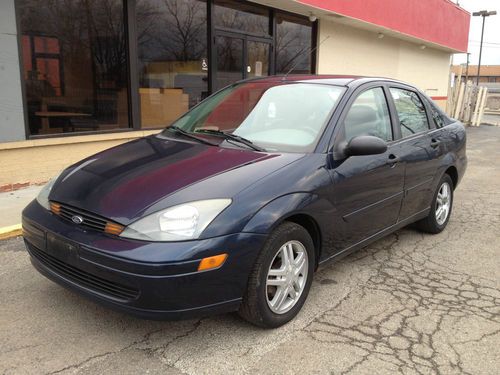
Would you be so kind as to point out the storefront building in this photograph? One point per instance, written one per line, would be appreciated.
(79, 76)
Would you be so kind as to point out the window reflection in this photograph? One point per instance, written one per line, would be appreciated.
(293, 44)
(173, 58)
(258, 59)
(229, 60)
(237, 15)
(285, 117)
(75, 67)
(411, 112)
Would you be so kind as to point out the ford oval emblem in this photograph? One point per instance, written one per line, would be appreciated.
(77, 219)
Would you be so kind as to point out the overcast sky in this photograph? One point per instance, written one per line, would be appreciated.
(491, 42)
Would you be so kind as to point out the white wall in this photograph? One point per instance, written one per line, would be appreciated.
(359, 52)
(11, 104)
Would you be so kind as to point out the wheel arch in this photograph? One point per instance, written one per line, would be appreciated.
(448, 165)
(288, 208)
(311, 226)
(453, 173)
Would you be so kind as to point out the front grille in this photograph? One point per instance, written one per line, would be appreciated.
(85, 279)
(88, 219)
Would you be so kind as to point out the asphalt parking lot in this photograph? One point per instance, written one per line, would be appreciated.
(410, 303)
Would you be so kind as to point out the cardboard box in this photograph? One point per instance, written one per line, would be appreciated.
(160, 107)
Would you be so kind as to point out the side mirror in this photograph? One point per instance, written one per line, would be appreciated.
(365, 145)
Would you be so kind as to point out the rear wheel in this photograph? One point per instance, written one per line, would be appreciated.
(281, 277)
(442, 204)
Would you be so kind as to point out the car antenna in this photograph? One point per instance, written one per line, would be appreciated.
(311, 50)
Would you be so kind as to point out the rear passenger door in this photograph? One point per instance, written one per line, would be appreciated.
(417, 149)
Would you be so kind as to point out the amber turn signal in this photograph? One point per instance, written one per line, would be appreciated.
(113, 228)
(212, 262)
(55, 208)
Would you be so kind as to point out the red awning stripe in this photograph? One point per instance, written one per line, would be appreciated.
(437, 21)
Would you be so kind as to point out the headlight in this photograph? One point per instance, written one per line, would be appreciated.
(43, 195)
(178, 223)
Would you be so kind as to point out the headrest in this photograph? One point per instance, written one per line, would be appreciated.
(361, 114)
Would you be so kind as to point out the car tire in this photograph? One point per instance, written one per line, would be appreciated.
(443, 199)
(263, 305)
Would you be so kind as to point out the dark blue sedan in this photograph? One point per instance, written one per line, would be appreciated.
(235, 205)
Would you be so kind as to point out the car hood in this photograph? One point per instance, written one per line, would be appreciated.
(146, 175)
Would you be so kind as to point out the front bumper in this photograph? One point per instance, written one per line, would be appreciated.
(147, 279)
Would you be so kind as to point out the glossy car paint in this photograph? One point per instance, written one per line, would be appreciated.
(344, 202)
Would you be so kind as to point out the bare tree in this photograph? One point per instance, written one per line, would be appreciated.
(292, 42)
(107, 41)
(172, 29)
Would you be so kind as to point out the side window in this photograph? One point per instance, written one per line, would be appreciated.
(369, 115)
(411, 112)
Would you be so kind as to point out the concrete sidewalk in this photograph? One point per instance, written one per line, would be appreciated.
(12, 204)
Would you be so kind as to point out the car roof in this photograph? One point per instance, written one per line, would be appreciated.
(325, 79)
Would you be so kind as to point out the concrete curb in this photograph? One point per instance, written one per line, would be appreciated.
(10, 231)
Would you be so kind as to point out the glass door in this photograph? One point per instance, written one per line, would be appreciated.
(257, 59)
(229, 57)
(239, 57)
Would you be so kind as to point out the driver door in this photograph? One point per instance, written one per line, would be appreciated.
(366, 191)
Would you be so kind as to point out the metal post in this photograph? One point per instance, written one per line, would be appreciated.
(480, 52)
(484, 14)
(467, 68)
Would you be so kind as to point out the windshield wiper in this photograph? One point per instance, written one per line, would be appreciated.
(178, 130)
(231, 137)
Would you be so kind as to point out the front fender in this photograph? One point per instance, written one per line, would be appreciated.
(265, 220)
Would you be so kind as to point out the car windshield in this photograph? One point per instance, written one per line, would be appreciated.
(283, 117)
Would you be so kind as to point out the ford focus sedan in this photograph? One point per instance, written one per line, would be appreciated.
(236, 204)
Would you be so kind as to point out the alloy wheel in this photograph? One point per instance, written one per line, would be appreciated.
(287, 276)
(443, 203)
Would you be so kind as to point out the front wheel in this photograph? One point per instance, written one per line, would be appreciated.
(281, 277)
(442, 204)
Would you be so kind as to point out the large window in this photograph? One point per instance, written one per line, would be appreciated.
(294, 41)
(75, 65)
(107, 65)
(242, 16)
(173, 58)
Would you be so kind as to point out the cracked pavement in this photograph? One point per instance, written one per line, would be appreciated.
(410, 303)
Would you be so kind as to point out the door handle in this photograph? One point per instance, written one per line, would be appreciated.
(393, 159)
(435, 143)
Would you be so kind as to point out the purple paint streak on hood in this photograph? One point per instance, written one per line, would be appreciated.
(122, 182)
